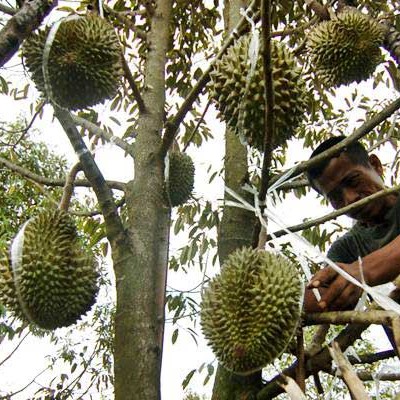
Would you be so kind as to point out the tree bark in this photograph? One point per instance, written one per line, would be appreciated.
(17, 28)
(140, 285)
(235, 232)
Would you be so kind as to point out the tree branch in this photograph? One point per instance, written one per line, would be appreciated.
(396, 332)
(125, 21)
(15, 348)
(196, 128)
(42, 180)
(269, 98)
(299, 28)
(172, 125)
(101, 133)
(392, 41)
(8, 10)
(318, 361)
(135, 91)
(372, 358)
(319, 9)
(9, 395)
(69, 187)
(365, 128)
(24, 130)
(113, 223)
(119, 203)
(388, 376)
(318, 339)
(17, 28)
(335, 214)
(378, 317)
(350, 377)
(300, 354)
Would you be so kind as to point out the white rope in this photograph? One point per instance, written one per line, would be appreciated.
(167, 163)
(252, 57)
(310, 251)
(254, 42)
(46, 55)
(101, 10)
(17, 247)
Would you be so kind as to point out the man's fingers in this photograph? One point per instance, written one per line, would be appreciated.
(322, 278)
(332, 293)
(347, 299)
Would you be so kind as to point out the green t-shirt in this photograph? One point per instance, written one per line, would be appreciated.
(361, 240)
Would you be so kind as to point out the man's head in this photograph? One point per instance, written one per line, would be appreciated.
(348, 176)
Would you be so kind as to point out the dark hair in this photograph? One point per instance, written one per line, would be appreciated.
(355, 151)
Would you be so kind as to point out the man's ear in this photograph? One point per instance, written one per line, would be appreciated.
(376, 164)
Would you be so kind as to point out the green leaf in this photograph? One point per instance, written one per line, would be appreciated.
(115, 120)
(175, 335)
(394, 73)
(187, 379)
(4, 85)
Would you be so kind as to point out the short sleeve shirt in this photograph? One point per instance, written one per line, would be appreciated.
(361, 240)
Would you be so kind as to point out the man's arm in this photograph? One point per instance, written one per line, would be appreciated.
(380, 266)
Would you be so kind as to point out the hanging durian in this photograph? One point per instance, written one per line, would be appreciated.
(8, 296)
(241, 105)
(84, 65)
(250, 312)
(53, 280)
(180, 178)
(346, 49)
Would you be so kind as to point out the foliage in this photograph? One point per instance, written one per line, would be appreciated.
(20, 198)
(193, 396)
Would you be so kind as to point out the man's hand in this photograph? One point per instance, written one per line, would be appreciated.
(337, 293)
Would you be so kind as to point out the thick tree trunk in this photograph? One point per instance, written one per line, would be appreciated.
(235, 232)
(139, 319)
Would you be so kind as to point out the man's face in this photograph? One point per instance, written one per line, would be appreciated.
(343, 182)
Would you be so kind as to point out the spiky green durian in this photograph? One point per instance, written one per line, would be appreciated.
(181, 178)
(8, 296)
(232, 95)
(250, 311)
(346, 49)
(84, 65)
(55, 279)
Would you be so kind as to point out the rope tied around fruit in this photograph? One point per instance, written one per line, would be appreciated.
(252, 58)
(306, 249)
(46, 55)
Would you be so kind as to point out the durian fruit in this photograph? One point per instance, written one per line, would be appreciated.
(84, 65)
(346, 49)
(55, 279)
(250, 312)
(8, 296)
(181, 178)
(233, 96)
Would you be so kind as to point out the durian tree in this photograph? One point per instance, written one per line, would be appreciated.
(272, 73)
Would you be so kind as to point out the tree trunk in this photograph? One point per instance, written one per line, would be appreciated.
(235, 232)
(139, 322)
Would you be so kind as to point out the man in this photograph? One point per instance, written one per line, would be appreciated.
(344, 179)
